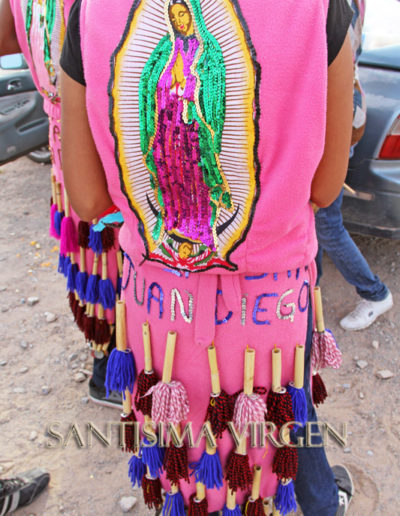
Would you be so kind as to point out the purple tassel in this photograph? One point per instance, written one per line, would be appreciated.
(153, 457)
(285, 501)
(231, 512)
(92, 289)
(71, 277)
(61, 262)
(95, 241)
(52, 229)
(106, 293)
(174, 505)
(208, 470)
(81, 284)
(69, 237)
(136, 470)
(121, 372)
(299, 405)
(58, 216)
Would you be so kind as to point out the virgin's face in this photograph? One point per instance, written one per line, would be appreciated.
(181, 19)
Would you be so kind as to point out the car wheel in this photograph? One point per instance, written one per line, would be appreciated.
(42, 155)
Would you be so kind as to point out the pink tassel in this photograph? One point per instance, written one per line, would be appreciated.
(69, 238)
(325, 352)
(170, 402)
(248, 409)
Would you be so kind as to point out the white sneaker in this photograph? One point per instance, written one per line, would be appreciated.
(365, 313)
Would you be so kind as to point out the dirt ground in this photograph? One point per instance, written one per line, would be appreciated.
(42, 351)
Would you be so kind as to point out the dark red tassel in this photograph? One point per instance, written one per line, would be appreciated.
(83, 234)
(152, 492)
(129, 441)
(238, 473)
(253, 508)
(279, 407)
(80, 316)
(73, 302)
(197, 508)
(220, 412)
(89, 327)
(145, 382)
(101, 331)
(285, 462)
(107, 239)
(176, 463)
(319, 393)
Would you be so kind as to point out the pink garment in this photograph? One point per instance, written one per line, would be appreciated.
(270, 254)
(275, 314)
(50, 91)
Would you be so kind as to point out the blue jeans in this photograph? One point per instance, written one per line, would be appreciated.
(315, 486)
(336, 241)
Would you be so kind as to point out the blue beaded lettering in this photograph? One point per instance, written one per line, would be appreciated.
(261, 276)
(258, 309)
(228, 316)
(131, 266)
(159, 299)
(307, 287)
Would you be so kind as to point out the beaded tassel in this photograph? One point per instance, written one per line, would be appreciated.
(197, 507)
(151, 488)
(128, 417)
(280, 409)
(253, 507)
(220, 412)
(176, 463)
(83, 234)
(319, 393)
(285, 462)
(146, 380)
(237, 472)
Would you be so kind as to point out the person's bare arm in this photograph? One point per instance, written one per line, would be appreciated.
(8, 37)
(84, 176)
(331, 172)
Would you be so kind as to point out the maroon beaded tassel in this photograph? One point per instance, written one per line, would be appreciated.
(83, 234)
(197, 507)
(107, 239)
(238, 473)
(319, 393)
(151, 488)
(128, 417)
(176, 463)
(285, 462)
(147, 378)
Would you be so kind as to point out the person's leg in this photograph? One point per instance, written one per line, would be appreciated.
(336, 241)
(315, 486)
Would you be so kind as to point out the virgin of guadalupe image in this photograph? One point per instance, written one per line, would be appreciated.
(182, 114)
(44, 25)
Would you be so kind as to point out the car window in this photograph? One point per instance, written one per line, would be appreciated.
(382, 24)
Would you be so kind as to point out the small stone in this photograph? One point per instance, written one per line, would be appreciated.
(46, 390)
(4, 309)
(22, 301)
(3, 363)
(23, 344)
(79, 377)
(346, 386)
(72, 357)
(24, 370)
(384, 374)
(375, 344)
(74, 366)
(33, 435)
(361, 395)
(85, 400)
(19, 390)
(370, 453)
(356, 358)
(50, 317)
(82, 357)
(362, 364)
(85, 372)
(2, 288)
(127, 502)
(347, 450)
(32, 300)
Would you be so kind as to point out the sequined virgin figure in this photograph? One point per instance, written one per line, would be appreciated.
(182, 113)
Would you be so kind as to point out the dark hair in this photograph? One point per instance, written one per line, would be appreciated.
(182, 2)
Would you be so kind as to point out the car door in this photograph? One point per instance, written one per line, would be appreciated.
(23, 123)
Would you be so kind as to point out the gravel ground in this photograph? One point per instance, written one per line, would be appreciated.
(42, 352)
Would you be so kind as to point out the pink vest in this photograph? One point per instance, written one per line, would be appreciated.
(261, 103)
